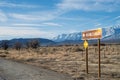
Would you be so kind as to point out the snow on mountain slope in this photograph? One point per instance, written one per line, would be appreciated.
(72, 36)
(108, 34)
(111, 33)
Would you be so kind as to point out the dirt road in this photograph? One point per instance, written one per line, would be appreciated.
(10, 70)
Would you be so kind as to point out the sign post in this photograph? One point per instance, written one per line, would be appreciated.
(99, 61)
(86, 50)
(93, 34)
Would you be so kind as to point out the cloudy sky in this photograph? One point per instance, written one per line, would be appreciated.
(48, 18)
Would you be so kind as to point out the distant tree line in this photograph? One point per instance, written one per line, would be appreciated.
(18, 45)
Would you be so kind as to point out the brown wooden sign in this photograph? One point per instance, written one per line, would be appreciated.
(92, 34)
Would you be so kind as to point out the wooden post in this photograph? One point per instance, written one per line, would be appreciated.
(87, 60)
(99, 62)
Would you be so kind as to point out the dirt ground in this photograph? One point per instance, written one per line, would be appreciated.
(12, 70)
(71, 60)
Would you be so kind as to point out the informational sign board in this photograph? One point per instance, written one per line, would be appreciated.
(92, 34)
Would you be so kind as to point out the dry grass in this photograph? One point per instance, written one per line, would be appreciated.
(71, 60)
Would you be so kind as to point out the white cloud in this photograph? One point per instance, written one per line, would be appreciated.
(51, 24)
(43, 16)
(118, 17)
(24, 32)
(117, 20)
(14, 5)
(24, 16)
(3, 17)
(90, 5)
(36, 25)
(26, 24)
(39, 16)
(98, 24)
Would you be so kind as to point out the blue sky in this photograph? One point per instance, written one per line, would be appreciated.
(49, 18)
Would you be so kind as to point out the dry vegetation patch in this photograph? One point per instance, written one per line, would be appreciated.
(71, 60)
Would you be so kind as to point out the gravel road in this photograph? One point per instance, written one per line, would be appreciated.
(10, 70)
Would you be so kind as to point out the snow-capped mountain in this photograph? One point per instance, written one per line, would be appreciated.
(71, 36)
(111, 33)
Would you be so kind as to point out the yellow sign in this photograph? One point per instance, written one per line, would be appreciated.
(85, 44)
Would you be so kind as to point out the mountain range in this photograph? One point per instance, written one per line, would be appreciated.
(23, 41)
(109, 35)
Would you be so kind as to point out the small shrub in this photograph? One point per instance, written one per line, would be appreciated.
(77, 49)
(4, 44)
(18, 45)
(33, 44)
